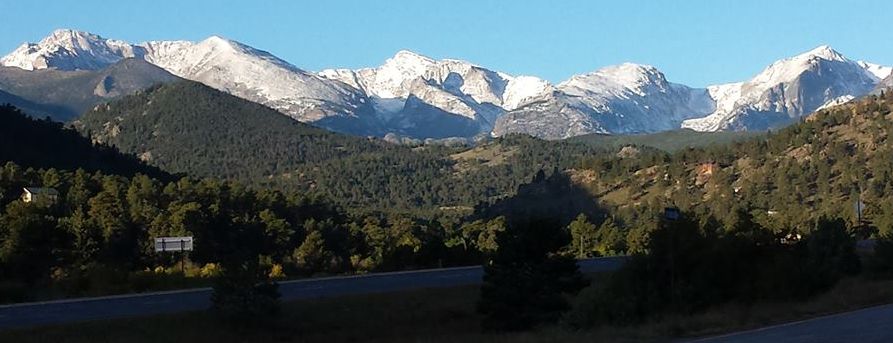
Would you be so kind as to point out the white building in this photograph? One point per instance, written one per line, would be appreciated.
(38, 194)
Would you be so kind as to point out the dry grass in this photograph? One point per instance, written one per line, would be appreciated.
(490, 155)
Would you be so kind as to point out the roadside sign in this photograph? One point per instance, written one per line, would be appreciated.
(173, 244)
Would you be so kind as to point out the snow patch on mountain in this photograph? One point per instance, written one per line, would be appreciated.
(523, 89)
(879, 71)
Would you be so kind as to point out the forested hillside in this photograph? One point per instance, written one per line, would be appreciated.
(189, 128)
(47, 144)
(786, 180)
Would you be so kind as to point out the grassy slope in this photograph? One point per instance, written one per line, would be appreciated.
(438, 315)
(669, 141)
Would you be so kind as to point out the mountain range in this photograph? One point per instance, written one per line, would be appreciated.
(414, 96)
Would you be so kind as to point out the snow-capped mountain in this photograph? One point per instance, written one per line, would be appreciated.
(627, 98)
(415, 96)
(632, 98)
(257, 76)
(788, 89)
(69, 50)
(421, 97)
(217, 62)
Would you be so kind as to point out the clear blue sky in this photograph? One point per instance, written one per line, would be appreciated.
(693, 42)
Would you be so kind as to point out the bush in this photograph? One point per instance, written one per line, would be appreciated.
(210, 270)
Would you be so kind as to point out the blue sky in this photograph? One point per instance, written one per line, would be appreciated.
(693, 42)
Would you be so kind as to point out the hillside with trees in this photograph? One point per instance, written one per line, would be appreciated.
(786, 180)
(189, 128)
(43, 143)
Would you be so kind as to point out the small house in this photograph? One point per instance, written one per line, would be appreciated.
(39, 194)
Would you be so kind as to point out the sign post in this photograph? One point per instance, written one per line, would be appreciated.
(175, 244)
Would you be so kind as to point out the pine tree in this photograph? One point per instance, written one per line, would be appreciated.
(583, 237)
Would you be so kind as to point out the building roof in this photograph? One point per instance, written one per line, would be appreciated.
(42, 190)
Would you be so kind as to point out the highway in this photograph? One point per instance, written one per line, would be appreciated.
(134, 305)
(874, 324)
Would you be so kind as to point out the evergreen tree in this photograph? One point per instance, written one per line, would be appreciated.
(583, 237)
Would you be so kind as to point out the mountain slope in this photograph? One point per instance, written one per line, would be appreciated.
(786, 179)
(44, 144)
(187, 127)
(63, 95)
(191, 128)
(257, 76)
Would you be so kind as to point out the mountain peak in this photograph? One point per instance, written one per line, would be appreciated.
(788, 69)
(215, 39)
(69, 49)
(70, 33)
(614, 78)
(408, 53)
(73, 40)
(824, 52)
(404, 57)
(630, 70)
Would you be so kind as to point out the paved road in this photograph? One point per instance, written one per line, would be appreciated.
(873, 324)
(86, 309)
